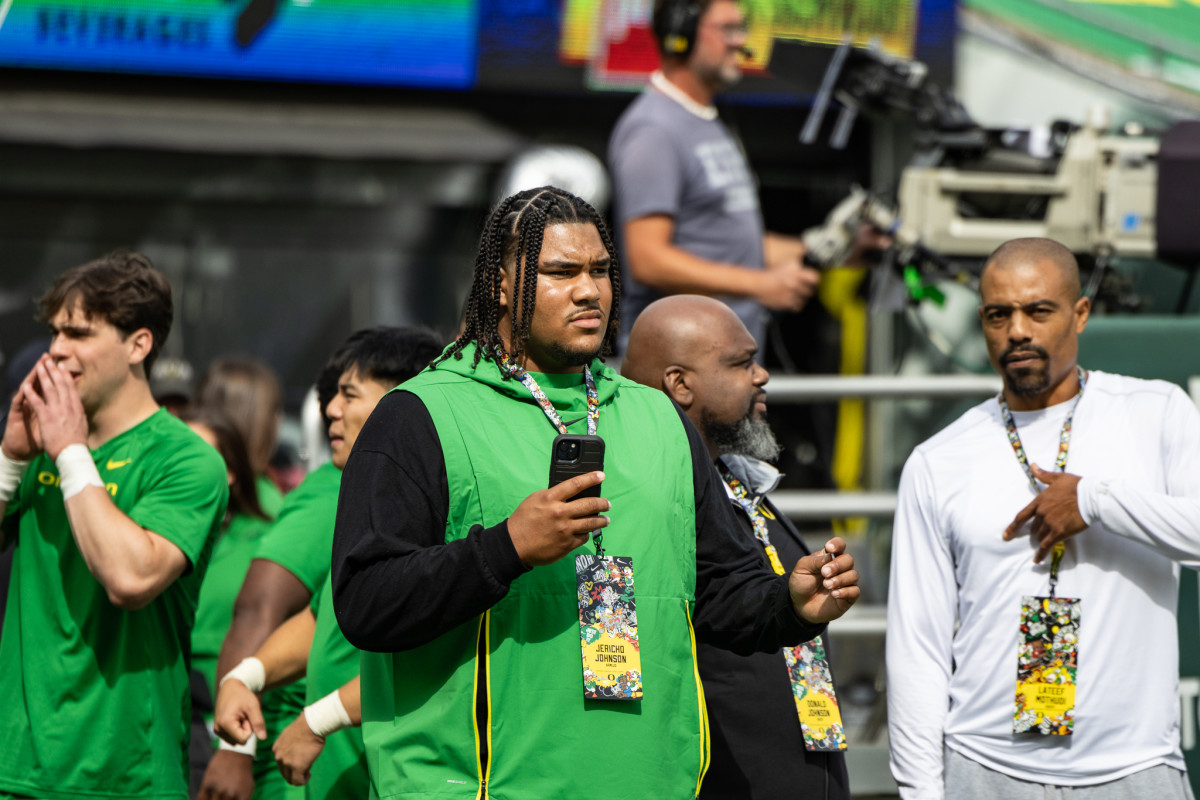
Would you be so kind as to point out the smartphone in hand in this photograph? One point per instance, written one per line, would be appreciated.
(574, 454)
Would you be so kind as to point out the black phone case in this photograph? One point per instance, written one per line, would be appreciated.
(591, 459)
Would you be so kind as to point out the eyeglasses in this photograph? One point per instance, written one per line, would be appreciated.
(733, 31)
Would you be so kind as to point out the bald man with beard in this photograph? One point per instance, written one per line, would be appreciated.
(697, 351)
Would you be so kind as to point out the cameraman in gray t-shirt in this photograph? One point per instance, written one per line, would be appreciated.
(686, 204)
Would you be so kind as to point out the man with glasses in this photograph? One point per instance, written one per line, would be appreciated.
(686, 203)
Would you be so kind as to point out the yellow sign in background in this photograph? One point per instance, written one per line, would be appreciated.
(589, 27)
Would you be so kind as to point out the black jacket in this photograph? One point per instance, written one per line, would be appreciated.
(757, 746)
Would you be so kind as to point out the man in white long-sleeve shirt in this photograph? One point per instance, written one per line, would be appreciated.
(975, 536)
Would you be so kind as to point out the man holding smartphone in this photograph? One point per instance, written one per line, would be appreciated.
(449, 556)
(113, 506)
(765, 741)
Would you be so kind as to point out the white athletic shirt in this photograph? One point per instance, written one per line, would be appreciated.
(1137, 445)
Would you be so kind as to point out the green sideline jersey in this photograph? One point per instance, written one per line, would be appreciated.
(301, 541)
(341, 769)
(269, 496)
(226, 571)
(97, 697)
(231, 558)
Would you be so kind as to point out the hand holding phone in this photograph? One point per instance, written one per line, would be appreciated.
(576, 454)
(552, 522)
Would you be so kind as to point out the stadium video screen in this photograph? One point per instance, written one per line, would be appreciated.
(551, 45)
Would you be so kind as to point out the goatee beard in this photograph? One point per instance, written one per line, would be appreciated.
(747, 437)
(1029, 383)
(1026, 381)
(572, 357)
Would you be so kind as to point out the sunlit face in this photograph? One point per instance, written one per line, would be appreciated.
(98, 357)
(728, 381)
(720, 37)
(1031, 321)
(573, 300)
(349, 409)
(729, 402)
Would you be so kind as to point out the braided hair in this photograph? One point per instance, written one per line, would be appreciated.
(513, 235)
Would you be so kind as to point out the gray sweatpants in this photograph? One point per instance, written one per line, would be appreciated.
(967, 780)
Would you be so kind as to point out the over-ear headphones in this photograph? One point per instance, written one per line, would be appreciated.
(675, 24)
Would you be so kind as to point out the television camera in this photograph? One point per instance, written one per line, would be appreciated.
(968, 188)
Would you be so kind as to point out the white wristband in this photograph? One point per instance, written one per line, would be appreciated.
(250, 748)
(11, 472)
(327, 715)
(76, 470)
(250, 672)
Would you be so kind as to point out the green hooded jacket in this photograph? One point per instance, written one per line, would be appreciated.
(536, 736)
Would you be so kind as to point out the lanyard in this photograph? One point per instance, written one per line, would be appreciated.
(1064, 446)
(593, 408)
(757, 521)
(807, 666)
(593, 400)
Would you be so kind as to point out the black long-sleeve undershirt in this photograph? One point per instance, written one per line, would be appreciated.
(397, 584)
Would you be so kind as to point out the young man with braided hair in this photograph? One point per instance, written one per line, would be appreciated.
(449, 554)
(113, 506)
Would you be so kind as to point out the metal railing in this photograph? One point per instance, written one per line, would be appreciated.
(819, 388)
(822, 504)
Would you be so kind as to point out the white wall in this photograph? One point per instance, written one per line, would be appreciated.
(1004, 88)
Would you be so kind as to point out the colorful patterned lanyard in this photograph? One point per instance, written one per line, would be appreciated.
(808, 668)
(757, 521)
(593, 400)
(1064, 446)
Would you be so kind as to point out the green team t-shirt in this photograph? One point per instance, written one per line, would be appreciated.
(301, 541)
(226, 571)
(269, 496)
(341, 769)
(97, 697)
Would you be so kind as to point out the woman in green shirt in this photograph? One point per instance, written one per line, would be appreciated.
(245, 523)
